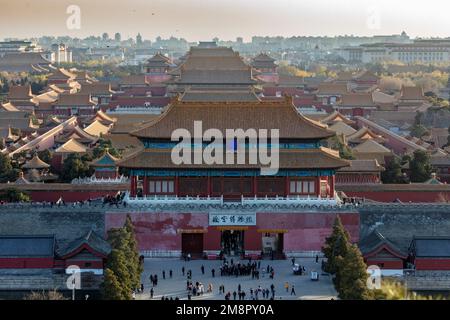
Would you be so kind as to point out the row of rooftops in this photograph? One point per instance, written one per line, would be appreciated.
(415, 247)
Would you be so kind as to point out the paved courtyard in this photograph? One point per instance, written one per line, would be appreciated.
(176, 286)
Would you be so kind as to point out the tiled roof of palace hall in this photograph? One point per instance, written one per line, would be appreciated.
(280, 115)
(322, 158)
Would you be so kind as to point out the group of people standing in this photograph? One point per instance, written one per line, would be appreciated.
(253, 294)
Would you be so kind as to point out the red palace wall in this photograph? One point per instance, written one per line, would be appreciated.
(305, 231)
(68, 196)
(82, 264)
(386, 264)
(432, 263)
(404, 196)
(20, 263)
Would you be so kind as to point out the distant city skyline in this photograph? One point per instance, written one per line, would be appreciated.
(197, 20)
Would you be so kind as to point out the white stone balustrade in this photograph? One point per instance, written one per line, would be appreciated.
(293, 200)
(255, 201)
(160, 199)
(95, 180)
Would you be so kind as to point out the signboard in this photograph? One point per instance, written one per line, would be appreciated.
(237, 219)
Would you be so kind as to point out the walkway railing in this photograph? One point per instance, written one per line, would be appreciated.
(289, 200)
(294, 200)
(158, 199)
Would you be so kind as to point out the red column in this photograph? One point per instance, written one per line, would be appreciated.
(286, 188)
(332, 182)
(209, 185)
(145, 186)
(317, 186)
(133, 186)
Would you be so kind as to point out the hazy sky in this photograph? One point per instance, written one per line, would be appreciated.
(227, 19)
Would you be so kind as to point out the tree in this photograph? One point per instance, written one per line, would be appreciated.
(45, 155)
(345, 152)
(101, 148)
(420, 166)
(393, 172)
(124, 259)
(418, 118)
(352, 275)
(74, 166)
(7, 172)
(14, 195)
(418, 131)
(335, 245)
(135, 266)
(45, 295)
(112, 289)
(118, 265)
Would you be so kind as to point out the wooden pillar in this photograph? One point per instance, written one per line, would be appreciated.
(145, 186)
(332, 182)
(133, 186)
(317, 186)
(286, 186)
(209, 185)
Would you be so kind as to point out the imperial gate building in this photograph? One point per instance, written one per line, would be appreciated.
(207, 209)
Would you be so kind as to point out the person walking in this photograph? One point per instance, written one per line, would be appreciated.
(164, 274)
(182, 270)
(203, 269)
(293, 291)
(170, 273)
(151, 293)
(213, 272)
(234, 295)
(286, 286)
(293, 261)
(317, 258)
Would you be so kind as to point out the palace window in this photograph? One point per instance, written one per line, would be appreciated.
(302, 187)
(161, 187)
(231, 186)
(271, 186)
(193, 186)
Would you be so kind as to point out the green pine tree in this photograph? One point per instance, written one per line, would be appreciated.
(335, 245)
(393, 172)
(132, 254)
(117, 264)
(420, 166)
(112, 289)
(75, 166)
(351, 277)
